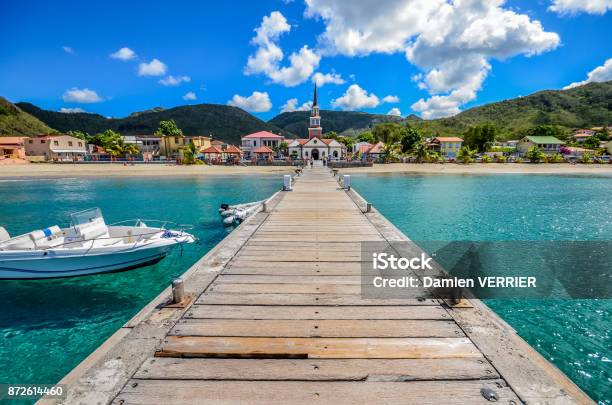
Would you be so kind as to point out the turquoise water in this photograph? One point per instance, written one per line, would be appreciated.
(48, 327)
(573, 334)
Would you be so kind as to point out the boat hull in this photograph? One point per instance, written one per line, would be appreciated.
(57, 264)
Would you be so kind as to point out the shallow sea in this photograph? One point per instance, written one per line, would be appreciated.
(574, 334)
(48, 327)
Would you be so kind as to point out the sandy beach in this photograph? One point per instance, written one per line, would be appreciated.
(118, 170)
(484, 168)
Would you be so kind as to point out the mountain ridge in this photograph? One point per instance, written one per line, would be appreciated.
(584, 106)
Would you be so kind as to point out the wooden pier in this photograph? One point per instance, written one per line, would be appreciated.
(276, 316)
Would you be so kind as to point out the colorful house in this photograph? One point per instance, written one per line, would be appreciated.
(12, 147)
(581, 135)
(361, 147)
(546, 144)
(447, 146)
(56, 147)
(251, 142)
(374, 152)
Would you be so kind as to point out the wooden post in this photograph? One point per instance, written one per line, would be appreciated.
(178, 290)
(368, 207)
(264, 206)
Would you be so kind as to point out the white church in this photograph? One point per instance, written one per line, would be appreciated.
(316, 147)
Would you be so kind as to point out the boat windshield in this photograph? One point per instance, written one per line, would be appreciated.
(86, 217)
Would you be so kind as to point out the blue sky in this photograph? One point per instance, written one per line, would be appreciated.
(384, 54)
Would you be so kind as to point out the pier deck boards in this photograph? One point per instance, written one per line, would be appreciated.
(282, 321)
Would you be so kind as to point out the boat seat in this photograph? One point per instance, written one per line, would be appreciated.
(94, 230)
(47, 237)
(4, 235)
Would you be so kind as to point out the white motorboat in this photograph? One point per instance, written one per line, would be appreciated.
(236, 214)
(88, 246)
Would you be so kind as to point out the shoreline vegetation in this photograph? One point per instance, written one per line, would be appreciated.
(43, 170)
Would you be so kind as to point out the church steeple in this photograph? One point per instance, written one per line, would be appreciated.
(315, 129)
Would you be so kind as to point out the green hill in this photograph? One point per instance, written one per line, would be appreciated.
(223, 122)
(15, 122)
(346, 122)
(581, 107)
(585, 106)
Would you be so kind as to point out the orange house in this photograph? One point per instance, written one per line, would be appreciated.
(12, 147)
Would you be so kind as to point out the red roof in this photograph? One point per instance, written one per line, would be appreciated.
(263, 149)
(364, 148)
(263, 134)
(377, 148)
(11, 140)
(233, 149)
(212, 149)
(447, 139)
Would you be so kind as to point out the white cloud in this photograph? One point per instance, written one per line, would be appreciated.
(356, 98)
(174, 80)
(573, 7)
(68, 49)
(85, 96)
(123, 54)
(451, 42)
(153, 68)
(291, 105)
(390, 99)
(190, 95)
(601, 73)
(71, 110)
(395, 111)
(269, 55)
(322, 79)
(256, 102)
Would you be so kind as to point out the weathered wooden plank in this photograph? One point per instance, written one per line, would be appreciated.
(304, 299)
(283, 279)
(290, 271)
(316, 369)
(317, 328)
(324, 348)
(316, 312)
(286, 288)
(302, 392)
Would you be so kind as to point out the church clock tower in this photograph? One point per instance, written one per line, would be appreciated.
(315, 130)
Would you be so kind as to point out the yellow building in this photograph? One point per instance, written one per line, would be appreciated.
(447, 146)
(172, 146)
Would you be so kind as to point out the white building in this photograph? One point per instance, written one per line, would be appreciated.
(316, 147)
(262, 138)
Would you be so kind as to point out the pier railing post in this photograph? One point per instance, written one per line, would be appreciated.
(264, 206)
(178, 291)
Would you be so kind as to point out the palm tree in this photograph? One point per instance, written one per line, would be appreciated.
(420, 151)
(466, 154)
